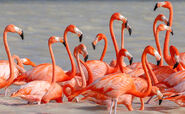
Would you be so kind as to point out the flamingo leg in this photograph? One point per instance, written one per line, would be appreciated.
(147, 102)
(6, 91)
(142, 104)
(112, 103)
(115, 106)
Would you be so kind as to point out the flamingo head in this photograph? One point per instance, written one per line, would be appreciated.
(124, 52)
(128, 28)
(81, 48)
(118, 16)
(155, 91)
(165, 4)
(27, 61)
(14, 29)
(152, 51)
(54, 39)
(163, 27)
(98, 38)
(174, 55)
(75, 30)
(162, 18)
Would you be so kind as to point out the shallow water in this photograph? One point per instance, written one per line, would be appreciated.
(42, 19)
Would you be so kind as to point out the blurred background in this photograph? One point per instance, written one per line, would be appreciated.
(41, 19)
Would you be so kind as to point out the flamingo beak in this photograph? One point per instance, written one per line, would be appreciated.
(94, 47)
(22, 35)
(64, 43)
(131, 60)
(168, 23)
(172, 32)
(86, 57)
(126, 23)
(175, 65)
(80, 38)
(155, 7)
(130, 31)
(160, 101)
(158, 62)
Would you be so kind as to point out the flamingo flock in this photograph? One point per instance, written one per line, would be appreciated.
(97, 81)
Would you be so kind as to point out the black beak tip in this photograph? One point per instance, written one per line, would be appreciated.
(80, 38)
(155, 7)
(22, 35)
(94, 47)
(131, 60)
(168, 23)
(160, 101)
(64, 44)
(126, 23)
(175, 65)
(158, 62)
(172, 33)
(86, 57)
(130, 31)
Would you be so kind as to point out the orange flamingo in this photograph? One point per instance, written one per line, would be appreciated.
(27, 61)
(98, 67)
(78, 82)
(112, 85)
(9, 70)
(43, 71)
(167, 57)
(37, 91)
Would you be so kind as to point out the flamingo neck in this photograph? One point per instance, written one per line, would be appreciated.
(105, 49)
(158, 46)
(113, 36)
(53, 63)
(81, 71)
(122, 40)
(152, 74)
(71, 73)
(11, 64)
(148, 91)
(167, 57)
(19, 63)
(90, 75)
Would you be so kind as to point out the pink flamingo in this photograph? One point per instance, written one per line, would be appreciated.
(39, 90)
(9, 70)
(112, 85)
(43, 71)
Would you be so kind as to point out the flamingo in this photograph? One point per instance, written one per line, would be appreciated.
(43, 71)
(78, 82)
(100, 68)
(9, 70)
(117, 84)
(27, 61)
(167, 57)
(39, 90)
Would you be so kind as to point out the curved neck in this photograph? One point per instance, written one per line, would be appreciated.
(53, 63)
(81, 71)
(113, 37)
(167, 57)
(90, 75)
(19, 63)
(122, 37)
(152, 74)
(148, 91)
(105, 49)
(158, 46)
(73, 67)
(11, 64)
